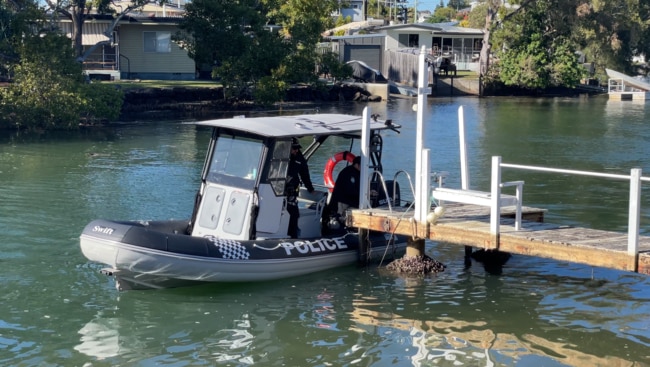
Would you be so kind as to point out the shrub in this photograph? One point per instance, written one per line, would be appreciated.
(49, 90)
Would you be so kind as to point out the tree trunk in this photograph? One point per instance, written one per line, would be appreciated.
(493, 8)
(486, 47)
(78, 11)
(77, 36)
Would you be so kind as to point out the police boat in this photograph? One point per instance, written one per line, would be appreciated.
(238, 228)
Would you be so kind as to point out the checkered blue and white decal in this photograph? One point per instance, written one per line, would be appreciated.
(230, 249)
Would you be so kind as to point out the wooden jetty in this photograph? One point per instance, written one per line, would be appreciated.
(469, 225)
(494, 220)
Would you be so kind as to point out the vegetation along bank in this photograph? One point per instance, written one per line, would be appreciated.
(260, 50)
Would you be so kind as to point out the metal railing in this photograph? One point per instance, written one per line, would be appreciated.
(101, 62)
(634, 211)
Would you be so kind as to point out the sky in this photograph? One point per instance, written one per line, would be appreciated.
(426, 4)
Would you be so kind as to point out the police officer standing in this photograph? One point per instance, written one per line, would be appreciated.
(298, 171)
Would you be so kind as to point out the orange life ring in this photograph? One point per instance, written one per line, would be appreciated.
(329, 167)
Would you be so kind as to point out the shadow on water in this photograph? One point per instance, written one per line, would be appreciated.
(493, 261)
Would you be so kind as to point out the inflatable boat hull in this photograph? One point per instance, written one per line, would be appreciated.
(161, 254)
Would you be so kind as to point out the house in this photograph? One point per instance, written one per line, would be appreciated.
(147, 50)
(461, 45)
(141, 46)
(441, 39)
(355, 9)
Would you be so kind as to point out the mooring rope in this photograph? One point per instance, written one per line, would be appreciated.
(392, 234)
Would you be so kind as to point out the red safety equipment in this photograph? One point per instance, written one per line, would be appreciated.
(329, 167)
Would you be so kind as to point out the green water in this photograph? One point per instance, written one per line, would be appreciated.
(56, 309)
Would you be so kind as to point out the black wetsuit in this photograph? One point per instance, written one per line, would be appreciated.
(298, 171)
(346, 189)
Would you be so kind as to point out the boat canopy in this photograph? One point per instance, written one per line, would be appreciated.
(300, 125)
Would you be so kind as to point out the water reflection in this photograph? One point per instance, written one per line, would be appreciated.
(100, 339)
(441, 336)
(366, 317)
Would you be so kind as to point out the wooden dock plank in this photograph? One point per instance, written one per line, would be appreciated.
(469, 225)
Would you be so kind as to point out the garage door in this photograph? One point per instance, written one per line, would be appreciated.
(370, 54)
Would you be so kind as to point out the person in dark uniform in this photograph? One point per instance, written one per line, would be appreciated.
(346, 189)
(298, 171)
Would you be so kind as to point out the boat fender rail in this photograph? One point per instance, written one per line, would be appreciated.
(329, 167)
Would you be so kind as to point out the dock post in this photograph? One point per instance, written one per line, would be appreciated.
(634, 216)
(468, 255)
(422, 178)
(364, 175)
(495, 207)
(363, 246)
(414, 247)
(464, 167)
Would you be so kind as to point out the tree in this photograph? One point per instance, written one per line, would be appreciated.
(457, 4)
(484, 58)
(535, 47)
(476, 17)
(610, 32)
(377, 9)
(76, 11)
(49, 91)
(302, 21)
(442, 14)
(332, 67)
(644, 19)
(401, 11)
(342, 20)
(234, 38)
(492, 21)
(19, 20)
(607, 32)
(230, 36)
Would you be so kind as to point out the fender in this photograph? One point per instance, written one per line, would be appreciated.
(329, 167)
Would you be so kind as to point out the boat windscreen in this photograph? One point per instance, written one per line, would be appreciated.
(235, 161)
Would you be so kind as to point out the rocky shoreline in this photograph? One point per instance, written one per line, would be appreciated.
(184, 101)
(209, 102)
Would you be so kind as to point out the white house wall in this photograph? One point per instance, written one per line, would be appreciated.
(392, 38)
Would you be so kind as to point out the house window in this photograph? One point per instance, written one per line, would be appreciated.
(409, 40)
(436, 42)
(478, 43)
(446, 45)
(414, 40)
(157, 41)
(457, 45)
